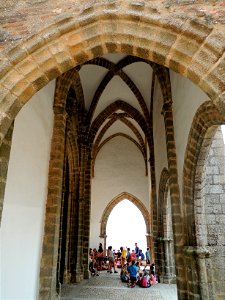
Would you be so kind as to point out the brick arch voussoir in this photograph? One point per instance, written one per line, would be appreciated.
(89, 33)
(63, 85)
(206, 116)
(118, 199)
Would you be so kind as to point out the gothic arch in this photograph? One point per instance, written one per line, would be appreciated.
(176, 43)
(169, 40)
(206, 116)
(117, 200)
(196, 194)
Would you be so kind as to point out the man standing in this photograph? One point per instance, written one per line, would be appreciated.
(136, 251)
(147, 255)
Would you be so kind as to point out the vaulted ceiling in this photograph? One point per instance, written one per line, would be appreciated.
(117, 78)
(114, 94)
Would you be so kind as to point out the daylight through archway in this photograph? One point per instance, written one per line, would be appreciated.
(126, 226)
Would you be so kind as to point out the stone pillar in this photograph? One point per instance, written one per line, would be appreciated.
(48, 268)
(86, 208)
(177, 220)
(79, 267)
(201, 258)
(167, 275)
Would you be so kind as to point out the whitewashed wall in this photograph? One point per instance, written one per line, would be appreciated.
(119, 168)
(187, 98)
(25, 197)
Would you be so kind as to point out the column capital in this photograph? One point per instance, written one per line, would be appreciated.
(102, 236)
(199, 251)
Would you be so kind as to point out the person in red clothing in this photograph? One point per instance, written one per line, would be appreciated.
(132, 256)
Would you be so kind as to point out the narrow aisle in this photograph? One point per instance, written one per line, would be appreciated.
(109, 286)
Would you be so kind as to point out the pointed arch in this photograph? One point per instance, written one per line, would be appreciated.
(118, 199)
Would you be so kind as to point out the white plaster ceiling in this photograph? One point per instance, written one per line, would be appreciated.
(140, 74)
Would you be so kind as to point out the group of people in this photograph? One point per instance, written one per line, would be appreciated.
(130, 262)
(133, 275)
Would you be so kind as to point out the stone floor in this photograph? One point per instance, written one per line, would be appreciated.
(109, 286)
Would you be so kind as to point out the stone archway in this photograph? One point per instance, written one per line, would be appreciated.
(177, 43)
(113, 203)
(165, 38)
(199, 198)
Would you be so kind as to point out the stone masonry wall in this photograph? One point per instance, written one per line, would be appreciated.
(214, 195)
(19, 19)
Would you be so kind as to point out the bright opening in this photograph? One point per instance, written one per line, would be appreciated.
(126, 226)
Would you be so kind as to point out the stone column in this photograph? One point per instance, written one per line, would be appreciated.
(201, 257)
(167, 276)
(79, 267)
(86, 208)
(177, 220)
(48, 269)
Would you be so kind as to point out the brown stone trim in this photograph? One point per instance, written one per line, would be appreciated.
(4, 161)
(47, 284)
(177, 213)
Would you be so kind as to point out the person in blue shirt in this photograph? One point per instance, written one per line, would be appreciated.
(136, 249)
(141, 256)
(132, 270)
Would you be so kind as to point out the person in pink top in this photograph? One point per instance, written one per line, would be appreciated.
(152, 277)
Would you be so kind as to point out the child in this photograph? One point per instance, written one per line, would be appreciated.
(145, 280)
(124, 274)
(91, 267)
(132, 269)
(152, 277)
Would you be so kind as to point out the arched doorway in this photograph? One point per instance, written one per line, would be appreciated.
(116, 201)
(120, 228)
